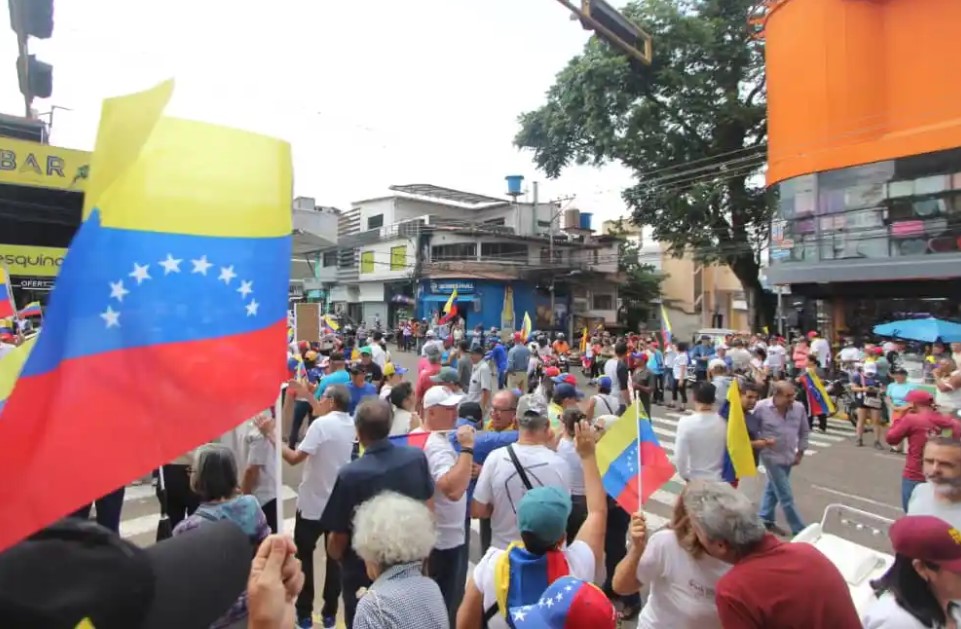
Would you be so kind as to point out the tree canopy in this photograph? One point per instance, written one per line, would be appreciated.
(692, 127)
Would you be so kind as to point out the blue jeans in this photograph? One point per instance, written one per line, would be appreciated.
(777, 489)
(907, 487)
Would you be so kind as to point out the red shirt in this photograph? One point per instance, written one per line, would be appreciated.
(787, 586)
(423, 381)
(917, 428)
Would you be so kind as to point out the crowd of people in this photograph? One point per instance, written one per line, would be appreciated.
(489, 427)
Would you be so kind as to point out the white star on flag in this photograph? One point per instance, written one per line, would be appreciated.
(227, 274)
(520, 614)
(117, 291)
(252, 308)
(170, 265)
(201, 265)
(559, 598)
(245, 288)
(549, 602)
(111, 318)
(140, 273)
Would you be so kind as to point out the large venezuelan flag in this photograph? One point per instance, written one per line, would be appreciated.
(819, 401)
(617, 460)
(178, 274)
(6, 296)
(739, 455)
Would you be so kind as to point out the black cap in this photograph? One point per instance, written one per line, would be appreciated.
(471, 411)
(76, 570)
(356, 369)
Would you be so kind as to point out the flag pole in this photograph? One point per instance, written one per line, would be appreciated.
(13, 305)
(640, 459)
(278, 461)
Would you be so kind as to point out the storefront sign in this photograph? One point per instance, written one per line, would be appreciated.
(30, 261)
(30, 164)
(34, 284)
(448, 286)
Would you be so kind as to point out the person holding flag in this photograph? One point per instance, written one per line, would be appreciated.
(506, 579)
(813, 394)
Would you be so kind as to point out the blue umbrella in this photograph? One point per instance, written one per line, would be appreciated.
(927, 330)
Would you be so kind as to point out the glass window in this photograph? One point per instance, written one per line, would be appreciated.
(603, 301)
(330, 258)
(398, 258)
(505, 251)
(375, 222)
(367, 262)
(459, 251)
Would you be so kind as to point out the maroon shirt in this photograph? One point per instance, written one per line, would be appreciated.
(787, 586)
(917, 428)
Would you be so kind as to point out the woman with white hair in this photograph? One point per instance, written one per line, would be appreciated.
(394, 535)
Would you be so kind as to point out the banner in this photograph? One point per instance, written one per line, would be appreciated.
(25, 163)
(29, 261)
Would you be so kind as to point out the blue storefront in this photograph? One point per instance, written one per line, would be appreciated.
(483, 302)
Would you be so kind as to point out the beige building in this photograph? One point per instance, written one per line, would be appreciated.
(696, 295)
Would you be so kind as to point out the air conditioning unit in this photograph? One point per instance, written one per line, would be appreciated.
(305, 203)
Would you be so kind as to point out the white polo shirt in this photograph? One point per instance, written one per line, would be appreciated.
(450, 514)
(700, 445)
(328, 443)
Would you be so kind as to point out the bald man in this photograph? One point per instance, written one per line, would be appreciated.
(781, 418)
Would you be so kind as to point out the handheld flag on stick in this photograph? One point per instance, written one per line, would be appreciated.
(450, 302)
(197, 222)
(665, 326)
(630, 440)
(584, 340)
(6, 296)
(32, 309)
(739, 456)
(526, 327)
(819, 401)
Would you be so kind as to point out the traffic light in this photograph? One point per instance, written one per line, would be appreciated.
(618, 31)
(32, 18)
(37, 78)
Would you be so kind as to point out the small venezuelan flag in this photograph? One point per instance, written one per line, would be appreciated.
(526, 327)
(617, 459)
(10, 366)
(739, 455)
(819, 402)
(32, 309)
(6, 296)
(138, 354)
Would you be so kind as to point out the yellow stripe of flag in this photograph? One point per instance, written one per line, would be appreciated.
(738, 442)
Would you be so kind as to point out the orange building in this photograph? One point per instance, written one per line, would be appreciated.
(864, 150)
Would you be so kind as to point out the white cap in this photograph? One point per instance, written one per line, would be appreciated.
(441, 396)
(429, 333)
(716, 362)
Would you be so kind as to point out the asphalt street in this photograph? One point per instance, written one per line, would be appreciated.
(834, 471)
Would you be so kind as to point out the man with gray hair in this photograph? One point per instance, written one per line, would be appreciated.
(511, 471)
(772, 583)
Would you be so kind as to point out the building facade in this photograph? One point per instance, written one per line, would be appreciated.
(695, 295)
(864, 153)
(403, 255)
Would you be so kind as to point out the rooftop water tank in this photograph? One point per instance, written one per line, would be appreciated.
(515, 183)
(586, 220)
(572, 219)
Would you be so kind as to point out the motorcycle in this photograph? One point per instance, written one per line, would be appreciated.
(563, 363)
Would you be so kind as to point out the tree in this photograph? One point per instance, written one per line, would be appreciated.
(692, 126)
(642, 284)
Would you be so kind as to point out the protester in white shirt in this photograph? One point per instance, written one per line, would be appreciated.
(377, 352)
(822, 349)
(542, 518)
(701, 438)
(260, 475)
(680, 574)
(326, 448)
(402, 403)
(500, 485)
(393, 375)
(451, 472)
(481, 382)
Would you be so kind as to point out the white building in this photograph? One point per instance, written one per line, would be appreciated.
(402, 255)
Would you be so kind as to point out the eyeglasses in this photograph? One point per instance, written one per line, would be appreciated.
(504, 410)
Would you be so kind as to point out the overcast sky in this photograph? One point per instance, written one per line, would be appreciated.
(369, 92)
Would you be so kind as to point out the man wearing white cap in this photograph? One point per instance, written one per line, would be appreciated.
(451, 472)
